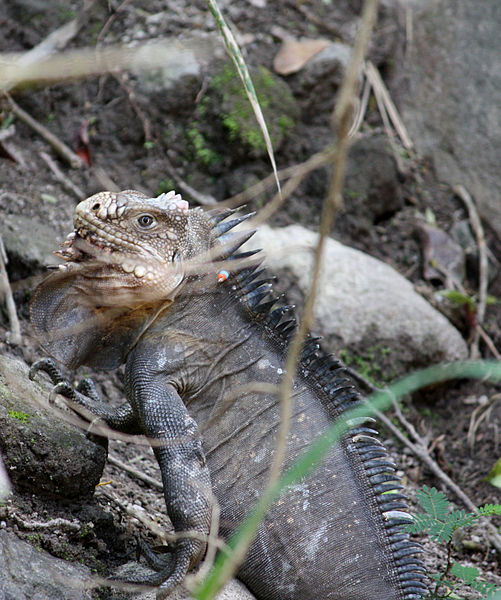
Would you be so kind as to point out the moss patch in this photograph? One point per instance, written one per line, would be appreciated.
(224, 125)
(277, 103)
(20, 416)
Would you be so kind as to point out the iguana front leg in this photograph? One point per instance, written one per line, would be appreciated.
(120, 418)
(186, 482)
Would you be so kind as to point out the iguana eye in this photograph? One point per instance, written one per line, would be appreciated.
(146, 221)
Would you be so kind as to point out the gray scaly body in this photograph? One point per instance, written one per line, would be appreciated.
(163, 288)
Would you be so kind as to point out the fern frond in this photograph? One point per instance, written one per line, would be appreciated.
(434, 503)
(421, 523)
(489, 509)
(469, 575)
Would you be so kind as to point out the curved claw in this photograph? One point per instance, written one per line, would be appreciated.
(63, 388)
(153, 559)
(171, 575)
(47, 365)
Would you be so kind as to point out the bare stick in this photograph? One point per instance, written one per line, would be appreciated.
(65, 181)
(382, 92)
(483, 265)
(59, 38)
(202, 199)
(135, 473)
(62, 149)
(314, 162)
(5, 289)
(489, 343)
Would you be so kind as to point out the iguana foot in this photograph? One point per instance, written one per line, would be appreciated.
(174, 569)
(84, 390)
(121, 418)
(156, 561)
(48, 366)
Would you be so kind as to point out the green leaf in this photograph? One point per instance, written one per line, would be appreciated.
(458, 298)
(239, 62)
(494, 475)
(434, 503)
(466, 574)
(490, 509)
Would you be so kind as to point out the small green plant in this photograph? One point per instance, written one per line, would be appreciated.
(368, 364)
(165, 185)
(237, 114)
(20, 416)
(440, 521)
(203, 154)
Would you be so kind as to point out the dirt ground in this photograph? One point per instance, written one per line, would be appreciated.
(114, 113)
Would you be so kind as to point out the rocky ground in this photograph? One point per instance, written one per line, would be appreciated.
(401, 285)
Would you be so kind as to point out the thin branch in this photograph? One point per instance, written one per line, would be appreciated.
(65, 181)
(489, 343)
(483, 264)
(202, 199)
(62, 149)
(151, 481)
(383, 96)
(301, 171)
(5, 290)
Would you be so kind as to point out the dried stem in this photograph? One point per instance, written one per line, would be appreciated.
(61, 177)
(483, 265)
(62, 149)
(5, 290)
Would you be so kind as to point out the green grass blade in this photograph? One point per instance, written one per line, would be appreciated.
(243, 71)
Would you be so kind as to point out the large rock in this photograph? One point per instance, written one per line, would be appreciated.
(29, 244)
(447, 88)
(43, 454)
(26, 572)
(362, 303)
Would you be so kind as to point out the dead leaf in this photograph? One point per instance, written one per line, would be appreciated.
(294, 54)
(82, 147)
(443, 258)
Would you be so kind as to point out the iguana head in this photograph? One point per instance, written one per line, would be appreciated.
(126, 259)
(138, 243)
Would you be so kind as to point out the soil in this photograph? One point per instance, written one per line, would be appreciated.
(117, 118)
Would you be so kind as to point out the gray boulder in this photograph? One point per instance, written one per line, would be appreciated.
(26, 572)
(362, 303)
(43, 453)
(447, 88)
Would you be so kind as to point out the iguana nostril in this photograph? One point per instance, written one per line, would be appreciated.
(96, 207)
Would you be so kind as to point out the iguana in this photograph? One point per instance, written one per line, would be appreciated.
(168, 291)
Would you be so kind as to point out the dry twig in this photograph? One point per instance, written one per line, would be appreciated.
(62, 149)
(483, 265)
(155, 483)
(61, 177)
(331, 203)
(5, 290)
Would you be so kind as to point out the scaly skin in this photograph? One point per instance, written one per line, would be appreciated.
(143, 285)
